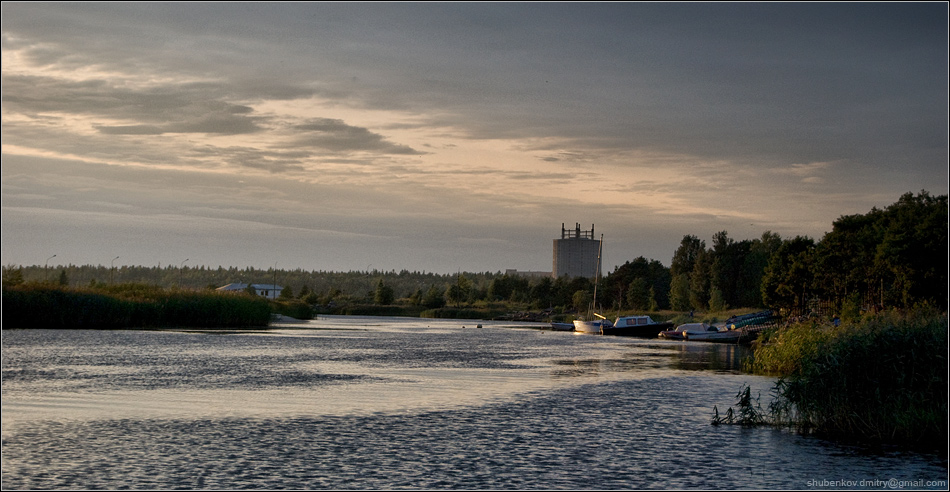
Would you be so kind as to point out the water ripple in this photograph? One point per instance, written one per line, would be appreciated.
(492, 409)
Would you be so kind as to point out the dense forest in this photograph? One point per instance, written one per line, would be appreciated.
(892, 257)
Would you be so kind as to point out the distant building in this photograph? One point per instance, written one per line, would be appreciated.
(269, 291)
(512, 273)
(575, 254)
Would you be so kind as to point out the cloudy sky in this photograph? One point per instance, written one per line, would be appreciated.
(455, 136)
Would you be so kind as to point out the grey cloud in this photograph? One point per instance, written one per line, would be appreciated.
(743, 87)
(335, 135)
(203, 107)
(131, 130)
(267, 160)
(764, 82)
(168, 109)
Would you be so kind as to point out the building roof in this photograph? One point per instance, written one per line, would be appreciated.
(237, 286)
(240, 286)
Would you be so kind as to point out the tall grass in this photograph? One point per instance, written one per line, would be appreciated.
(882, 378)
(128, 306)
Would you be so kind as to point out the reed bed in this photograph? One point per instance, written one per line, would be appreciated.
(882, 378)
(128, 306)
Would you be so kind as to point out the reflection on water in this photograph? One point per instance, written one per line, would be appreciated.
(704, 356)
(643, 356)
(381, 403)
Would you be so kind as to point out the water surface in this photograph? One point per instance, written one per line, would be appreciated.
(396, 403)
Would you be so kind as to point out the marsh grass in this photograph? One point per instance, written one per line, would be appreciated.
(882, 378)
(749, 411)
(128, 306)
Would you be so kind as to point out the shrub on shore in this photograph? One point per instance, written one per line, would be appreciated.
(128, 306)
(882, 378)
(295, 308)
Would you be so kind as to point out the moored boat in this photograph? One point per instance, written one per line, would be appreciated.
(562, 326)
(636, 326)
(757, 318)
(592, 326)
(712, 332)
(746, 334)
(681, 331)
(724, 336)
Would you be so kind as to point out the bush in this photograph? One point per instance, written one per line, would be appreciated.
(295, 308)
(882, 378)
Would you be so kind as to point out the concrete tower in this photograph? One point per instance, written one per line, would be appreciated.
(575, 254)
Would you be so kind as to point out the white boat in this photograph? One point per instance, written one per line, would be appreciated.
(710, 332)
(595, 326)
(722, 336)
(737, 329)
(682, 331)
(591, 325)
(744, 334)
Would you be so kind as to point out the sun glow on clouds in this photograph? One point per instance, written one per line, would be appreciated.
(447, 158)
(810, 173)
(351, 126)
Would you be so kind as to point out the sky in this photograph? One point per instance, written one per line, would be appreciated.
(445, 137)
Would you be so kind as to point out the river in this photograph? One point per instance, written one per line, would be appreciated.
(403, 403)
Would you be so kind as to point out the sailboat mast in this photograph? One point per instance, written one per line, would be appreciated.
(597, 271)
(600, 251)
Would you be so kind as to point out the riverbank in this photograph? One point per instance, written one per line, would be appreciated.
(129, 307)
(878, 379)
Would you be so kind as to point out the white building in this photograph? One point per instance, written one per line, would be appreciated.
(269, 291)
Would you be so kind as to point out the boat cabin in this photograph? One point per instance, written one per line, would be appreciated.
(634, 321)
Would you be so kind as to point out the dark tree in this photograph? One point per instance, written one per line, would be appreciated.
(684, 259)
(384, 294)
(788, 277)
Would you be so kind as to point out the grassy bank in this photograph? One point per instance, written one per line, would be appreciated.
(128, 306)
(882, 378)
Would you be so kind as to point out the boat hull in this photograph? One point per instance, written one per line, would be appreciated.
(739, 335)
(672, 335)
(562, 326)
(648, 331)
(730, 336)
(588, 326)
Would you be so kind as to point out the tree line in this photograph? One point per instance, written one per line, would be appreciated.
(895, 257)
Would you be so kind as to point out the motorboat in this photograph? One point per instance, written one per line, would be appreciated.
(722, 336)
(636, 326)
(744, 334)
(681, 331)
(712, 332)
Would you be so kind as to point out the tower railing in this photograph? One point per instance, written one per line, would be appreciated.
(576, 233)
